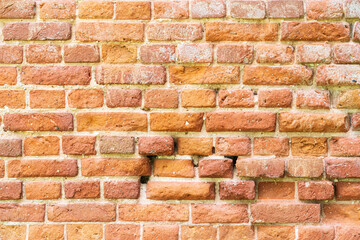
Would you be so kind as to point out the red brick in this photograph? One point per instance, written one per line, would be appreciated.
(309, 146)
(225, 31)
(271, 168)
(13, 232)
(12, 99)
(348, 99)
(355, 121)
(271, 146)
(180, 191)
(133, 10)
(122, 231)
(313, 53)
(341, 213)
(204, 74)
(324, 9)
(276, 232)
(274, 53)
(277, 75)
(276, 190)
(154, 212)
(123, 98)
(81, 212)
(38, 122)
(240, 121)
(37, 31)
(347, 232)
(236, 98)
(43, 190)
(273, 212)
(323, 190)
(337, 75)
(109, 31)
(86, 98)
(231, 53)
(161, 232)
(313, 99)
(163, 53)
(346, 191)
(41, 145)
(8, 75)
(117, 144)
(315, 31)
(10, 147)
(49, 231)
(174, 31)
(57, 9)
(285, 9)
(81, 53)
(176, 121)
(84, 231)
(47, 99)
(239, 190)
(161, 98)
(233, 232)
(96, 9)
(309, 168)
(352, 9)
(44, 53)
(115, 167)
(345, 146)
(11, 53)
(342, 167)
(215, 168)
(10, 190)
(22, 212)
(313, 122)
(156, 145)
(56, 75)
(109, 121)
(356, 37)
(219, 213)
(275, 98)
(118, 53)
(42, 168)
(233, 146)
(194, 146)
(198, 232)
(174, 168)
(248, 9)
(198, 53)
(137, 74)
(198, 98)
(82, 189)
(17, 9)
(122, 190)
(208, 8)
(171, 9)
(2, 168)
(322, 232)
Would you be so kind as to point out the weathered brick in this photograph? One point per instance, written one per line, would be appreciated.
(309, 168)
(313, 53)
(342, 167)
(82, 189)
(198, 98)
(176, 121)
(313, 122)
(157, 53)
(276, 190)
(322, 232)
(199, 232)
(174, 31)
(271, 98)
(352, 8)
(345, 146)
(161, 232)
(22, 212)
(13, 232)
(198, 53)
(348, 99)
(271, 53)
(174, 168)
(49, 231)
(81, 53)
(171, 9)
(109, 121)
(78, 145)
(313, 99)
(180, 191)
(56, 75)
(57, 9)
(346, 191)
(11, 53)
(231, 232)
(12, 99)
(343, 213)
(224, 31)
(81, 212)
(276, 232)
(37, 31)
(233, 146)
(86, 98)
(323, 190)
(285, 9)
(240, 121)
(41, 145)
(109, 31)
(248, 9)
(10, 190)
(42, 168)
(47, 99)
(17, 9)
(96, 9)
(237, 190)
(117, 144)
(324, 9)
(347, 232)
(133, 10)
(355, 121)
(219, 213)
(215, 168)
(38, 122)
(208, 8)
(271, 146)
(277, 75)
(122, 231)
(315, 31)
(115, 167)
(271, 168)
(123, 98)
(156, 145)
(84, 231)
(231, 53)
(347, 53)
(8, 75)
(309, 146)
(236, 98)
(194, 146)
(122, 189)
(43, 190)
(118, 53)
(161, 98)
(338, 75)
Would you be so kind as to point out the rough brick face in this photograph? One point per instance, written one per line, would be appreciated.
(179, 119)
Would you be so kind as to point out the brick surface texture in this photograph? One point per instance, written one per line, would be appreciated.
(179, 119)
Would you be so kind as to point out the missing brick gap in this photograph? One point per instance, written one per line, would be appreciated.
(234, 158)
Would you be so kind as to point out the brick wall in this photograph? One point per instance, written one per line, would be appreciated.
(176, 119)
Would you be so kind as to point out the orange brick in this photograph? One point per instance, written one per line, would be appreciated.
(118, 53)
(198, 98)
(84, 231)
(199, 232)
(41, 145)
(47, 99)
(195, 146)
(43, 53)
(276, 190)
(133, 10)
(39, 232)
(174, 168)
(96, 9)
(43, 190)
(12, 99)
